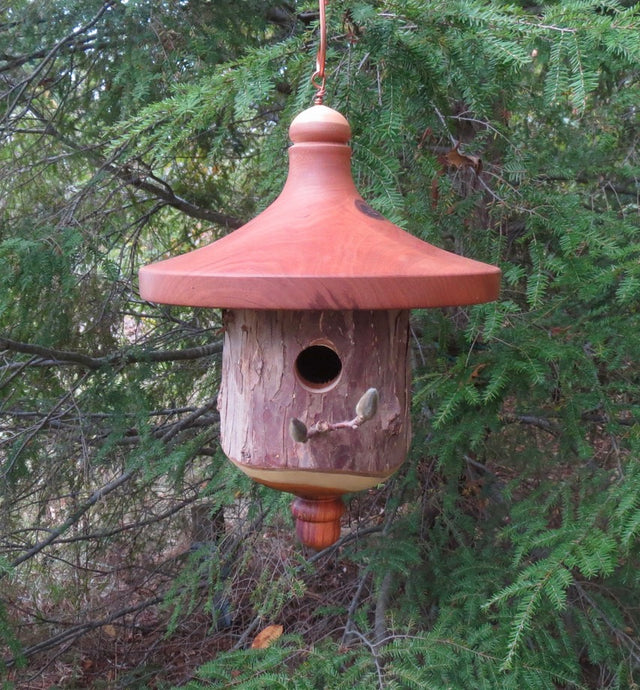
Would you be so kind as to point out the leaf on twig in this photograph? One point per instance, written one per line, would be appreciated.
(367, 405)
(298, 430)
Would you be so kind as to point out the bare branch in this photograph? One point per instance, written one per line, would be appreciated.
(15, 61)
(531, 420)
(139, 177)
(96, 496)
(382, 603)
(353, 606)
(103, 534)
(56, 357)
(32, 433)
(79, 630)
(189, 419)
(50, 353)
(165, 193)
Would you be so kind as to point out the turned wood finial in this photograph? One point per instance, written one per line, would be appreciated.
(318, 520)
(320, 124)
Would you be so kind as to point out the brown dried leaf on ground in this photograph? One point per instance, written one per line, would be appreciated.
(267, 636)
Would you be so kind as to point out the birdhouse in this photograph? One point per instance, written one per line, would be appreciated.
(316, 292)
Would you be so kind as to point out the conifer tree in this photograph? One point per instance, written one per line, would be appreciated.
(505, 552)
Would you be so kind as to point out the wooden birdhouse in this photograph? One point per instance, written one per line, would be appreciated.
(316, 292)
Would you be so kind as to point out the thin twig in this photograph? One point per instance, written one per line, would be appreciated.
(32, 433)
(358, 534)
(374, 653)
(51, 54)
(539, 422)
(353, 606)
(186, 421)
(632, 646)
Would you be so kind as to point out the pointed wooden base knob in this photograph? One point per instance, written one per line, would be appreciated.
(318, 520)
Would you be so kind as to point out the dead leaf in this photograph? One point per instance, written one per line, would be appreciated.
(110, 630)
(477, 370)
(266, 636)
(455, 159)
(425, 135)
(435, 192)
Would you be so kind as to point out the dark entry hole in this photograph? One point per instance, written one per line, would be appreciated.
(318, 366)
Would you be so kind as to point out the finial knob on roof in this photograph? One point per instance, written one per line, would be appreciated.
(320, 124)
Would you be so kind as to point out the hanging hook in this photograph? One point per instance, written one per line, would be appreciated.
(318, 79)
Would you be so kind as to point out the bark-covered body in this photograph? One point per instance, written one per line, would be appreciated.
(263, 387)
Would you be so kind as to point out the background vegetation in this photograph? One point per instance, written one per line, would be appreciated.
(505, 553)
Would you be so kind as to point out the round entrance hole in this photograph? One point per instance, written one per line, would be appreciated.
(318, 366)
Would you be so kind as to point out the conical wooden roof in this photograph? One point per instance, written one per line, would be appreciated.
(319, 246)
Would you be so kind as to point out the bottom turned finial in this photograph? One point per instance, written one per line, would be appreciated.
(318, 520)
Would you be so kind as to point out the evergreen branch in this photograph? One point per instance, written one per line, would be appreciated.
(630, 644)
(56, 357)
(138, 177)
(548, 27)
(473, 651)
(529, 604)
(21, 86)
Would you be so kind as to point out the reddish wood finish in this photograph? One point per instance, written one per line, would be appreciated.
(318, 270)
(319, 246)
(318, 521)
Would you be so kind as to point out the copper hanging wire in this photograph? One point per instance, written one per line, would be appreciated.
(318, 79)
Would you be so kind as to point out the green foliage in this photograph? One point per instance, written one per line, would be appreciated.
(518, 582)
(505, 553)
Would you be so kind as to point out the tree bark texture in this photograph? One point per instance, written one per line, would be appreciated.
(269, 377)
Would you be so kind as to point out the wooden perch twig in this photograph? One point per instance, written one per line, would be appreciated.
(365, 409)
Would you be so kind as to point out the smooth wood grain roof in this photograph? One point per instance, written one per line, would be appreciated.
(319, 245)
